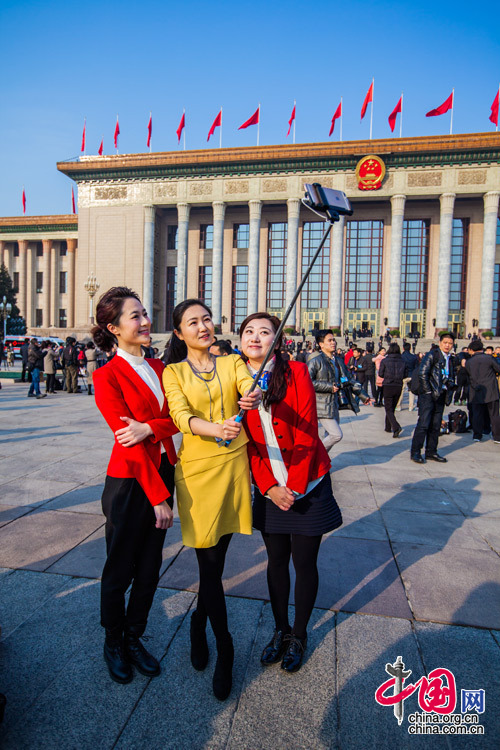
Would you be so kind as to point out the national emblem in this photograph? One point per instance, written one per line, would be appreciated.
(370, 171)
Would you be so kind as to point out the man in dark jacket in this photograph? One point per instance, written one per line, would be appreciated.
(35, 366)
(70, 361)
(482, 370)
(23, 351)
(334, 387)
(411, 361)
(436, 385)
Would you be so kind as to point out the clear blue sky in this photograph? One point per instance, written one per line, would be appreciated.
(63, 61)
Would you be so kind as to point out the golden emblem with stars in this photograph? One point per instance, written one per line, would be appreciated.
(370, 171)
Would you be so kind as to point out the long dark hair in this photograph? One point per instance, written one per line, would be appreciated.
(176, 350)
(109, 310)
(280, 377)
(394, 349)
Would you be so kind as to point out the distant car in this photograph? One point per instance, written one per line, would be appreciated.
(16, 342)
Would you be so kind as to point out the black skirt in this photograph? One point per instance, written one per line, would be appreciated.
(312, 515)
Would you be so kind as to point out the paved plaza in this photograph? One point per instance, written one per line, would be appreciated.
(413, 572)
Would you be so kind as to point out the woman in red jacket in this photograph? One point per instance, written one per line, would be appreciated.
(137, 496)
(293, 501)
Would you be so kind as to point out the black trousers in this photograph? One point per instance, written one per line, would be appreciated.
(430, 414)
(50, 383)
(371, 379)
(391, 398)
(134, 550)
(481, 415)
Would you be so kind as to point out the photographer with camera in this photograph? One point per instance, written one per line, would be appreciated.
(436, 386)
(335, 387)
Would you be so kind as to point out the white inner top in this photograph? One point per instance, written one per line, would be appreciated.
(147, 374)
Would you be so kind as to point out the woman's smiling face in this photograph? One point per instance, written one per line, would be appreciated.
(257, 338)
(196, 328)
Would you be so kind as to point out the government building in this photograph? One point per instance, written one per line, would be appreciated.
(421, 252)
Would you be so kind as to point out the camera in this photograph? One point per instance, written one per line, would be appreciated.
(333, 203)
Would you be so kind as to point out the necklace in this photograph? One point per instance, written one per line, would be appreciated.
(196, 369)
(213, 374)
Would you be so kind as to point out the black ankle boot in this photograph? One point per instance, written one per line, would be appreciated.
(137, 655)
(89, 389)
(119, 668)
(199, 645)
(223, 675)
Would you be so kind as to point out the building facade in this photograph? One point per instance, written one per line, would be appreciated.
(420, 253)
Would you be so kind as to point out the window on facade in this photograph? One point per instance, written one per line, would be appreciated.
(415, 264)
(39, 249)
(205, 284)
(39, 282)
(63, 318)
(172, 237)
(276, 265)
(63, 276)
(171, 294)
(206, 236)
(241, 235)
(38, 317)
(495, 318)
(458, 269)
(15, 281)
(363, 264)
(16, 250)
(63, 250)
(498, 231)
(239, 296)
(315, 292)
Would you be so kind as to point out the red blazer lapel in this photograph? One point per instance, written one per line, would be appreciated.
(138, 383)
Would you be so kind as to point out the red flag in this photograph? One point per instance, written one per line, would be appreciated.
(117, 132)
(73, 200)
(181, 127)
(338, 113)
(216, 124)
(292, 118)
(150, 130)
(253, 120)
(394, 114)
(368, 99)
(101, 147)
(494, 109)
(83, 136)
(444, 107)
(24, 202)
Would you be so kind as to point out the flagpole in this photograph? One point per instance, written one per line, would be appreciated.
(341, 116)
(85, 141)
(184, 129)
(452, 106)
(117, 135)
(294, 118)
(258, 126)
(371, 115)
(220, 134)
(401, 118)
(150, 139)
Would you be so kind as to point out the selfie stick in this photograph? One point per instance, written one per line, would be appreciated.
(332, 216)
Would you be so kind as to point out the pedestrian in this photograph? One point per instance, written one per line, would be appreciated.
(70, 361)
(436, 385)
(368, 367)
(379, 393)
(23, 351)
(2, 352)
(212, 483)
(393, 370)
(462, 392)
(91, 358)
(355, 365)
(334, 386)
(49, 368)
(411, 361)
(137, 496)
(35, 367)
(482, 370)
(293, 501)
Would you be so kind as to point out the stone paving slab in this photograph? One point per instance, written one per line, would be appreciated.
(353, 494)
(28, 491)
(436, 530)
(83, 499)
(411, 498)
(9, 512)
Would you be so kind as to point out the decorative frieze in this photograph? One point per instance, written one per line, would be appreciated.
(118, 192)
(236, 187)
(425, 179)
(274, 185)
(472, 177)
(203, 187)
(168, 190)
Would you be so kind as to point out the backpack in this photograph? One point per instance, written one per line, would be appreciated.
(457, 421)
(415, 382)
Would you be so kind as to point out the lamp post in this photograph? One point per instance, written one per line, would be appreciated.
(91, 285)
(5, 309)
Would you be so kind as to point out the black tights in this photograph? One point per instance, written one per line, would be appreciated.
(211, 601)
(304, 551)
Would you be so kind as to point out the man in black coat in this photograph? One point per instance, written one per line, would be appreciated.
(411, 361)
(436, 385)
(482, 370)
(23, 351)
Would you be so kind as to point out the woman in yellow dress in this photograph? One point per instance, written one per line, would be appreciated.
(212, 480)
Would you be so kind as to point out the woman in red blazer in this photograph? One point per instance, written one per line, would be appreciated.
(137, 496)
(293, 500)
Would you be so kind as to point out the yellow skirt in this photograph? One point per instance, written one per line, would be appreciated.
(214, 497)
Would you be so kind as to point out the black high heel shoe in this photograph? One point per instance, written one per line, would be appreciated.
(275, 649)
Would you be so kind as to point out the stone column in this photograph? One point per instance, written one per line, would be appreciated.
(182, 250)
(292, 252)
(336, 269)
(54, 287)
(447, 201)
(47, 245)
(253, 256)
(149, 258)
(397, 216)
(4, 254)
(219, 209)
(22, 298)
(70, 261)
(488, 263)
